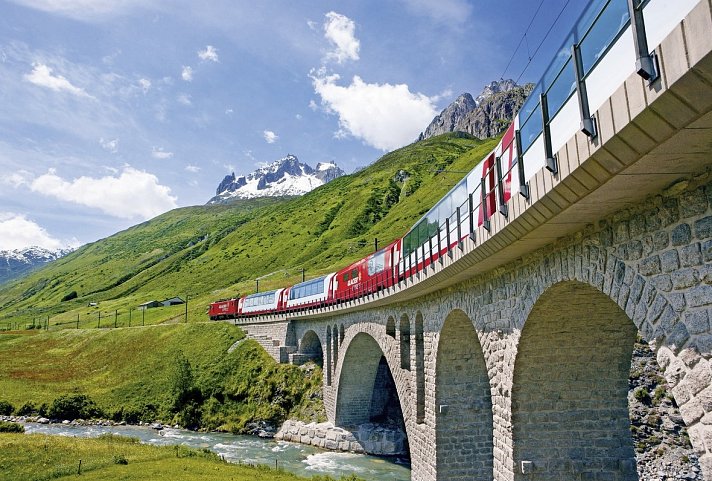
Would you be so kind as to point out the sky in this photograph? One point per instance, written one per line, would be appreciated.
(115, 111)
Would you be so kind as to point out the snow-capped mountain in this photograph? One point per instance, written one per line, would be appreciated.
(282, 177)
(14, 263)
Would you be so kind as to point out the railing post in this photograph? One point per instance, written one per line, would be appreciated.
(500, 187)
(551, 165)
(470, 208)
(645, 62)
(485, 210)
(523, 186)
(447, 235)
(459, 228)
(430, 246)
(588, 123)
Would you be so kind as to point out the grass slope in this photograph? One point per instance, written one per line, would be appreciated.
(43, 458)
(212, 252)
(135, 373)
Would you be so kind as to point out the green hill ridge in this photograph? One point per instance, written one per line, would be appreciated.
(211, 252)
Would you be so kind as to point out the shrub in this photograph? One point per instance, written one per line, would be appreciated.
(120, 459)
(642, 395)
(6, 427)
(6, 408)
(73, 406)
(26, 409)
(70, 296)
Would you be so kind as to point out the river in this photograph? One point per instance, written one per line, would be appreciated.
(296, 458)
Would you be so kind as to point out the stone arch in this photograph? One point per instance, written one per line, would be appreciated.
(391, 327)
(404, 336)
(463, 403)
(310, 349)
(362, 362)
(570, 386)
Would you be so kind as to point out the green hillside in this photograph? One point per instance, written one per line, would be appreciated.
(182, 373)
(210, 252)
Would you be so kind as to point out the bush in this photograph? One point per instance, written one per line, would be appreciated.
(6, 427)
(73, 406)
(642, 395)
(6, 408)
(70, 296)
(26, 409)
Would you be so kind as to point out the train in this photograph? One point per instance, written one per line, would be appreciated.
(442, 228)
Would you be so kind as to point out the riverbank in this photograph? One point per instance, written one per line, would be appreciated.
(37, 457)
(298, 459)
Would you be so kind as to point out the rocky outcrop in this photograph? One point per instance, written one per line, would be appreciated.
(493, 114)
(662, 446)
(485, 116)
(450, 117)
(370, 438)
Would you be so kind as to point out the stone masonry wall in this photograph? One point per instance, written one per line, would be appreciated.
(653, 261)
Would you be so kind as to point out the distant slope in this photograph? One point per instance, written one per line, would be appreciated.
(18, 262)
(209, 252)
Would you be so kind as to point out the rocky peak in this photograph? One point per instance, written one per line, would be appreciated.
(450, 116)
(286, 176)
(485, 116)
(495, 87)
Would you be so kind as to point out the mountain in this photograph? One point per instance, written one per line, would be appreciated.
(14, 263)
(217, 251)
(485, 116)
(283, 177)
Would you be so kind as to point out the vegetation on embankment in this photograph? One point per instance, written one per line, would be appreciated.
(210, 252)
(176, 373)
(43, 458)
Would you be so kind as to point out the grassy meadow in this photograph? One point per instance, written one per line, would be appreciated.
(43, 458)
(177, 373)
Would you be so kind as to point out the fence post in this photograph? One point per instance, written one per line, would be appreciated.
(77, 321)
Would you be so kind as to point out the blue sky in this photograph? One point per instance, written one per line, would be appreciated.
(114, 111)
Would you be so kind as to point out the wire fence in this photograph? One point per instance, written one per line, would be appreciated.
(98, 318)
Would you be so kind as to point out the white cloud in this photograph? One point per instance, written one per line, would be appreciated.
(194, 169)
(184, 99)
(109, 145)
(16, 179)
(210, 53)
(145, 85)
(339, 31)
(187, 73)
(41, 75)
(298, 116)
(18, 232)
(270, 137)
(229, 111)
(313, 105)
(160, 153)
(442, 11)
(133, 194)
(384, 116)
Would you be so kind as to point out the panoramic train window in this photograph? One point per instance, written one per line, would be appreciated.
(376, 263)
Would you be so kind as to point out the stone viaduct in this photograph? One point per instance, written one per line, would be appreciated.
(510, 356)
